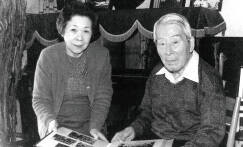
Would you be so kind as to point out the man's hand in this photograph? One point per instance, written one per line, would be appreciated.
(127, 134)
(52, 126)
(98, 135)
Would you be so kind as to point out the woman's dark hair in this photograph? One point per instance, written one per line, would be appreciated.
(80, 9)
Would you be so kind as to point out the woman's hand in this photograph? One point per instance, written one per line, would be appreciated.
(98, 135)
(52, 126)
(127, 134)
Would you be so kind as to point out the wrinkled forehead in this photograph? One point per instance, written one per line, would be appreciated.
(170, 29)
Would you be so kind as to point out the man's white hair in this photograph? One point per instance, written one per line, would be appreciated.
(173, 18)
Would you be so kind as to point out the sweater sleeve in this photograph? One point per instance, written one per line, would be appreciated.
(143, 122)
(103, 96)
(42, 97)
(212, 128)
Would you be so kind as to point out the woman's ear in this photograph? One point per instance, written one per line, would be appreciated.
(192, 44)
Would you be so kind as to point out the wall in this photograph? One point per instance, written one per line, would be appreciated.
(232, 13)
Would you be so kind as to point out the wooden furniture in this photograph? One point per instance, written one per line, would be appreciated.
(119, 25)
(232, 104)
(123, 23)
(233, 107)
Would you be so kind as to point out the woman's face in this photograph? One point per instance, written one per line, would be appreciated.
(77, 35)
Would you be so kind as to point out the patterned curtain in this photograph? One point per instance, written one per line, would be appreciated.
(156, 3)
(48, 6)
(168, 3)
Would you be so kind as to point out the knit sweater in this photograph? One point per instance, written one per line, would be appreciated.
(50, 83)
(187, 110)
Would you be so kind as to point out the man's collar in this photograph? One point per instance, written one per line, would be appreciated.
(190, 72)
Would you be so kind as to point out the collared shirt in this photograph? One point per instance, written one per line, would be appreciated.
(190, 72)
(190, 111)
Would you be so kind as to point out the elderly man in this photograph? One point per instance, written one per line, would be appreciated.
(184, 97)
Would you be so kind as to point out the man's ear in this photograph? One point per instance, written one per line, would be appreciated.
(192, 44)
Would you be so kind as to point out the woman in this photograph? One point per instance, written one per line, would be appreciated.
(72, 84)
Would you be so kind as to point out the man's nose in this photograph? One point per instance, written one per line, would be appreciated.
(168, 49)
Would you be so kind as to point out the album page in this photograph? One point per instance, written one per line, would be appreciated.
(68, 138)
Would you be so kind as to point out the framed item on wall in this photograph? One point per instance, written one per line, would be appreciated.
(63, 3)
(211, 4)
(101, 4)
(167, 3)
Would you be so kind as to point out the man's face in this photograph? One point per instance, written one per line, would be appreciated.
(173, 47)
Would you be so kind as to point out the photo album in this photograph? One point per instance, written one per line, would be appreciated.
(68, 138)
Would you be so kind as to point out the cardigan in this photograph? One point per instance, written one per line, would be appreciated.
(190, 111)
(49, 84)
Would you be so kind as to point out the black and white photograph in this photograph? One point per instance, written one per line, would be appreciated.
(121, 73)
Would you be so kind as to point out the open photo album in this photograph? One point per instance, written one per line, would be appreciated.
(68, 138)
